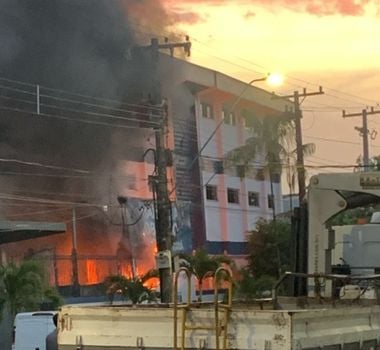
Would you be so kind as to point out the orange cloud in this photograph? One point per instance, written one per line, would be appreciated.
(314, 7)
(179, 15)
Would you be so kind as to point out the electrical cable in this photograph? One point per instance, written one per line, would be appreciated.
(77, 111)
(75, 94)
(85, 121)
(11, 160)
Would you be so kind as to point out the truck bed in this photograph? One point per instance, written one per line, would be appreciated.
(151, 328)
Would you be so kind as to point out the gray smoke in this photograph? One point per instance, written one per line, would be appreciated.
(69, 44)
(81, 46)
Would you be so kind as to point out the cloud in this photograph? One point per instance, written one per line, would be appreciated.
(343, 7)
(188, 17)
(314, 7)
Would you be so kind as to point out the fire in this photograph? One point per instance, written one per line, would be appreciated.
(92, 272)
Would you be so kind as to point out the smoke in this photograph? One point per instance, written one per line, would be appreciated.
(82, 47)
(73, 45)
(314, 7)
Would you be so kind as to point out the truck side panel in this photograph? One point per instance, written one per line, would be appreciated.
(344, 328)
(149, 328)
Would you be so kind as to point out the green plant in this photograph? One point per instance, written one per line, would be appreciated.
(132, 289)
(250, 287)
(269, 248)
(202, 265)
(273, 145)
(52, 300)
(22, 287)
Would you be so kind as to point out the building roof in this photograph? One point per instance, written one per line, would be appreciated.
(13, 231)
(198, 78)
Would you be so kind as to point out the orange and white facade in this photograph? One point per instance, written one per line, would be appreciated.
(225, 203)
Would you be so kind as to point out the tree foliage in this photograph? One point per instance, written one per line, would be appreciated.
(132, 289)
(272, 145)
(24, 287)
(374, 164)
(203, 265)
(254, 287)
(268, 257)
(352, 216)
(271, 134)
(269, 248)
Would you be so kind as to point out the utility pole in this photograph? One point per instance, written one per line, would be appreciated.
(299, 144)
(74, 258)
(300, 234)
(363, 131)
(160, 181)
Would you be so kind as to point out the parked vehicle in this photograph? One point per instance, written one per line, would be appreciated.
(31, 329)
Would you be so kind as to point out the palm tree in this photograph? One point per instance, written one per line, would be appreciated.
(290, 159)
(270, 146)
(202, 265)
(132, 288)
(22, 287)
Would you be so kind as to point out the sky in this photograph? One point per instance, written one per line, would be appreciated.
(332, 43)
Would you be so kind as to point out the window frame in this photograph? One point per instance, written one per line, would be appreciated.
(230, 119)
(207, 111)
(256, 198)
(212, 189)
(234, 195)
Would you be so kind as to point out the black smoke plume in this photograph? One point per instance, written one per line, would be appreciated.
(80, 46)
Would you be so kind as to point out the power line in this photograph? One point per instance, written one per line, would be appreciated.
(302, 81)
(78, 177)
(264, 69)
(100, 99)
(85, 121)
(10, 160)
(105, 115)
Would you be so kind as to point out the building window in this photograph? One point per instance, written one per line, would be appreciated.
(228, 118)
(212, 192)
(218, 167)
(232, 195)
(247, 119)
(270, 201)
(206, 111)
(253, 199)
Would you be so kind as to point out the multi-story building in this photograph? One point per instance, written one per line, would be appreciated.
(209, 119)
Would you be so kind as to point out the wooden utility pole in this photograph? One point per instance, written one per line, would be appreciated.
(363, 131)
(163, 205)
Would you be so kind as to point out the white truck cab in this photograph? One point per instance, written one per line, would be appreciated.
(31, 329)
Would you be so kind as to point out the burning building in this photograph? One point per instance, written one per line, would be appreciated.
(74, 129)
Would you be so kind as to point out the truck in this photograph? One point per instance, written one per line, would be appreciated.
(319, 319)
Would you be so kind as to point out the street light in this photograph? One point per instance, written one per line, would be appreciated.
(275, 79)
